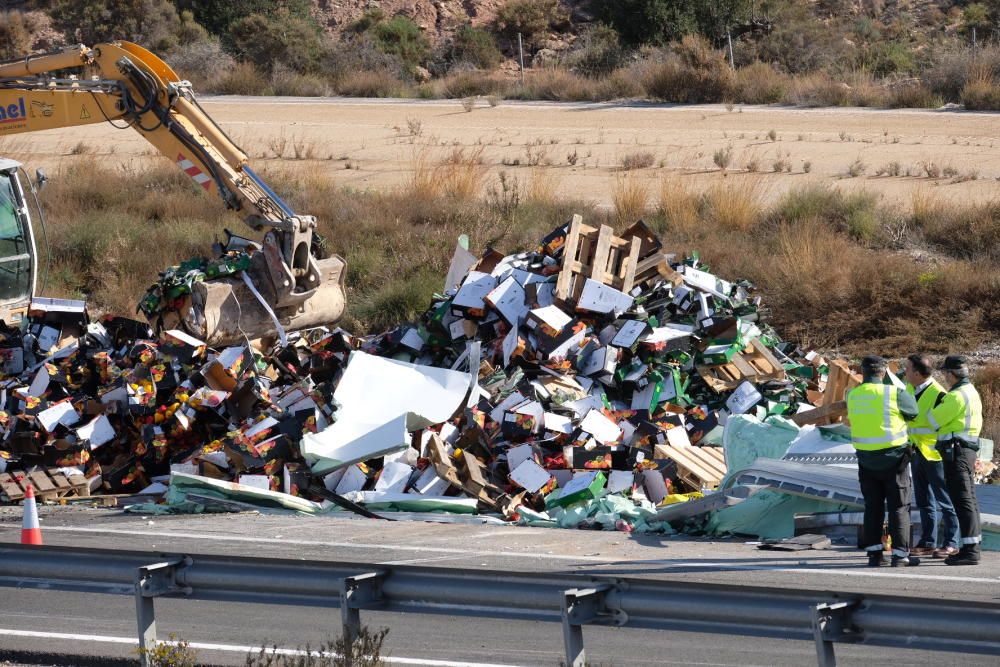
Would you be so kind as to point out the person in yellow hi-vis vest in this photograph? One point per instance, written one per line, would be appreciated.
(930, 491)
(958, 419)
(878, 414)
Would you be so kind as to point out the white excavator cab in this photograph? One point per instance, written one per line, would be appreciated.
(18, 257)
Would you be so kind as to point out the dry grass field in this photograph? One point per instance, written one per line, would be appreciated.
(815, 207)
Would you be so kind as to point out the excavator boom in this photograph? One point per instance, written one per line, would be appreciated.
(127, 85)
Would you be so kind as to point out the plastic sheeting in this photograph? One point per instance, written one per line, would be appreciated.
(768, 515)
(747, 439)
(605, 511)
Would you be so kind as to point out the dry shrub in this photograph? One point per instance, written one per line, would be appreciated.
(620, 84)
(982, 94)
(865, 91)
(371, 83)
(289, 83)
(954, 69)
(424, 184)
(913, 96)
(639, 160)
(543, 187)
(203, 63)
(458, 175)
(760, 83)
(461, 173)
(678, 206)
(630, 198)
(818, 90)
(736, 202)
(804, 264)
(467, 83)
(18, 31)
(241, 79)
(967, 231)
(558, 85)
(693, 73)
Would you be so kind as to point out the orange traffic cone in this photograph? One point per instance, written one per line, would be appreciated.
(31, 532)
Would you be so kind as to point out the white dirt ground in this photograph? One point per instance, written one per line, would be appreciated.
(375, 143)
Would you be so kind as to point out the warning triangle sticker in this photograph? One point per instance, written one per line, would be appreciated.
(84, 114)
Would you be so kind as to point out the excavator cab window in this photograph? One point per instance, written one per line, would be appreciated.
(15, 243)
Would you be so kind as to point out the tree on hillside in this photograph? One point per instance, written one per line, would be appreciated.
(663, 21)
(17, 33)
(975, 17)
(218, 15)
(279, 38)
(155, 24)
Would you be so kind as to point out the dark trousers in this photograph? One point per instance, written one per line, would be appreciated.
(930, 495)
(959, 472)
(882, 488)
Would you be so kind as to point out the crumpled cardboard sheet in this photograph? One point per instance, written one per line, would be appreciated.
(381, 401)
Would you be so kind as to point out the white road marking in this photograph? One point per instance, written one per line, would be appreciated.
(228, 648)
(702, 564)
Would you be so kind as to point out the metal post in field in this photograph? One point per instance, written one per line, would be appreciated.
(520, 56)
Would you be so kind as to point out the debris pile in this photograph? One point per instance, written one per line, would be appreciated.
(585, 382)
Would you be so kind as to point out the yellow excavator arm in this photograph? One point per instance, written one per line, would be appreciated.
(124, 83)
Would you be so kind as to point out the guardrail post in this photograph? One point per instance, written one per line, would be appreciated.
(831, 622)
(581, 606)
(362, 591)
(153, 581)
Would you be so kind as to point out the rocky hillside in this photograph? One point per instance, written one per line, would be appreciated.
(437, 18)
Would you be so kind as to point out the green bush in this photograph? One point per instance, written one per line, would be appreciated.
(155, 24)
(693, 73)
(476, 47)
(648, 21)
(279, 38)
(597, 52)
(218, 15)
(528, 17)
(402, 37)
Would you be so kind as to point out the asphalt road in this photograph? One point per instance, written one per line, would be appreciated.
(102, 626)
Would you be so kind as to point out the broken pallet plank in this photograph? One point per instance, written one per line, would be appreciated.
(695, 466)
(821, 414)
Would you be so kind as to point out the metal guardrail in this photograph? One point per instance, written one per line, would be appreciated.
(572, 600)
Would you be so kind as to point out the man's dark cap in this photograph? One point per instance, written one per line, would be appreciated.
(872, 363)
(955, 362)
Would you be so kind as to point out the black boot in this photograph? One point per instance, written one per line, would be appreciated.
(964, 556)
(905, 561)
(875, 559)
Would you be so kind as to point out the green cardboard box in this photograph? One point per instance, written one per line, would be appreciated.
(582, 487)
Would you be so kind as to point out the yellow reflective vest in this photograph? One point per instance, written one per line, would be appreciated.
(876, 422)
(959, 415)
(921, 433)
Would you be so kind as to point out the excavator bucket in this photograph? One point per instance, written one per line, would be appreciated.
(226, 311)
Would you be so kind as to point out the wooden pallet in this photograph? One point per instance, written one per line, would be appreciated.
(598, 254)
(755, 364)
(698, 467)
(832, 405)
(49, 484)
(656, 266)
